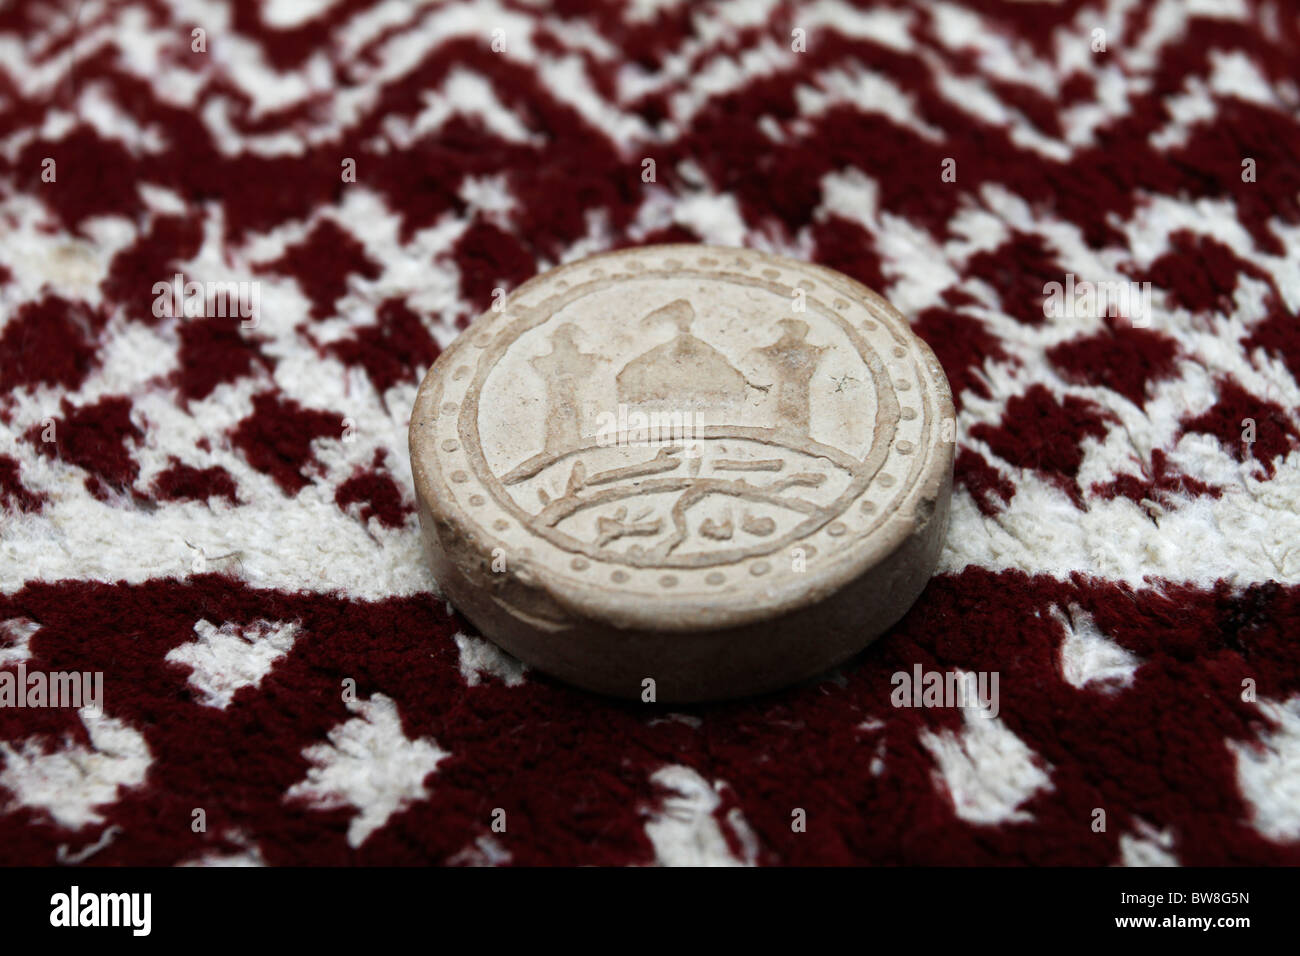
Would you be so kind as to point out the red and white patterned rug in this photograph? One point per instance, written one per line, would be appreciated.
(218, 518)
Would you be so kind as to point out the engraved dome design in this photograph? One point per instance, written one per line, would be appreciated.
(685, 369)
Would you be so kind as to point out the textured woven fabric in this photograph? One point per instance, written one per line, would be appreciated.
(234, 236)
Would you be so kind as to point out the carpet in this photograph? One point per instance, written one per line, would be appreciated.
(235, 236)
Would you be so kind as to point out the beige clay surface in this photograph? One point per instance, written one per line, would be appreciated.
(693, 471)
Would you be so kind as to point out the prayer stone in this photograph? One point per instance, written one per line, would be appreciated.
(682, 473)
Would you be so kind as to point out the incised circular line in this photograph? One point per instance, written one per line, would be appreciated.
(887, 417)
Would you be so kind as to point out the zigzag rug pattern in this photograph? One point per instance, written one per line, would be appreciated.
(214, 510)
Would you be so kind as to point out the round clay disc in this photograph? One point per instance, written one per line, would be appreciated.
(684, 472)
